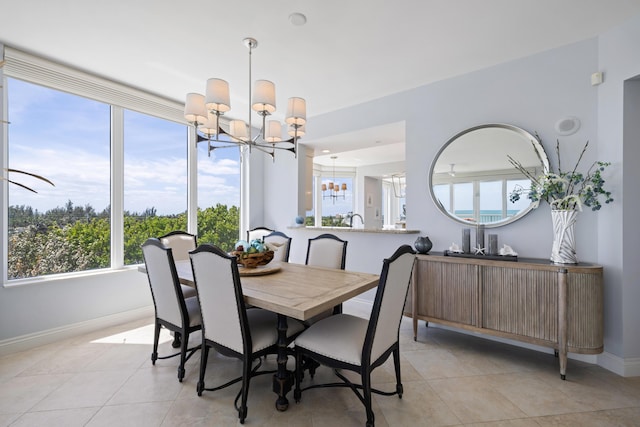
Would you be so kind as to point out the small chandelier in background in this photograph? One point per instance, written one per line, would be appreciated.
(334, 188)
(204, 111)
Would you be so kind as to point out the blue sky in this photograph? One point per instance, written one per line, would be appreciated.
(66, 139)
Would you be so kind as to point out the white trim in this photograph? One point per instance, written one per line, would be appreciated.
(192, 181)
(624, 367)
(117, 183)
(4, 162)
(36, 339)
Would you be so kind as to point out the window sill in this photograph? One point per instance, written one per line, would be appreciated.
(66, 276)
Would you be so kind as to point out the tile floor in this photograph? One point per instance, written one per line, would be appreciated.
(450, 379)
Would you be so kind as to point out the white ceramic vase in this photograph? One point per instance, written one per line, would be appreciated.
(564, 242)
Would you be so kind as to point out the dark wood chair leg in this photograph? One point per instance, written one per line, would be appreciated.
(366, 394)
(204, 355)
(156, 338)
(396, 364)
(246, 379)
(183, 355)
(297, 392)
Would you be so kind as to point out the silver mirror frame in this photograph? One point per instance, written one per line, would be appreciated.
(537, 145)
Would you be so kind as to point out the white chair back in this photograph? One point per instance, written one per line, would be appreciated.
(257, 233)
(327, 251)
(163, 280)
(181, 243)
(389, 301)
(220, 296)
(280, 243)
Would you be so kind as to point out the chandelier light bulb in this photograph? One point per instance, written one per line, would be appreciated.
(264, 97)
(273, 131)
(296, 111)
(194, 108)
(217, 96)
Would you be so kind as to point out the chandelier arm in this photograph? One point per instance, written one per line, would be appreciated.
(276, 145)
(263, 149)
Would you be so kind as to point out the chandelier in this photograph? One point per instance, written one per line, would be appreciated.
(334, 188)
(204, 111)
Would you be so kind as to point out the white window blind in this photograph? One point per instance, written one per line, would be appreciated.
(40, 71)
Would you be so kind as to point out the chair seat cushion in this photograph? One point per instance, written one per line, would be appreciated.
(188, 291)
(193, 308)
(264, 324)
(339, 337)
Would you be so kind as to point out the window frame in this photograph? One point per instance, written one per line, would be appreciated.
(36, 70)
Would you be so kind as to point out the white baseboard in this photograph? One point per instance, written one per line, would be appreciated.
(625, 367)
(29, 341)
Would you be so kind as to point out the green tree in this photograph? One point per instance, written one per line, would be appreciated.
(219, 226)
(72, 238)
(32, 253)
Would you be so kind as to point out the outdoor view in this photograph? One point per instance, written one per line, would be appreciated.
(67, 228)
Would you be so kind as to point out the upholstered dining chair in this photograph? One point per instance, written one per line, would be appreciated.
(227, 326)
(176, 313)
(360, 345)
(257, 233)
(281, 243)
(181, 243)
(326, 250)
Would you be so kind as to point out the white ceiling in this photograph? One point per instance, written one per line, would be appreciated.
(348, 52)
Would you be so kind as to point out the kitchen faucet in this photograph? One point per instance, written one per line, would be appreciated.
(351, 219)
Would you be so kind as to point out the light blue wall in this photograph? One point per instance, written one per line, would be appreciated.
(533, 93)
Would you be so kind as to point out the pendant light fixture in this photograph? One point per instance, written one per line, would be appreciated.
(334, 188)
(204, 111)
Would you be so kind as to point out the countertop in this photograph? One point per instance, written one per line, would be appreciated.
(360, 230)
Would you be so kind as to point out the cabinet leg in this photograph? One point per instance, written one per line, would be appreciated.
(562, 321)
(563, 364)
(555, 353)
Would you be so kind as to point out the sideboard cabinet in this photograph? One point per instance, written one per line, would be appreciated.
(533, 301)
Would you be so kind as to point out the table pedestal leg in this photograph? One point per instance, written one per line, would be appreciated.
(282, 379)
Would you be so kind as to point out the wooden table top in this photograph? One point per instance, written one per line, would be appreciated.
(297, 290)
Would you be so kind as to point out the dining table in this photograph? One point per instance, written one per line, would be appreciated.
(292, 290)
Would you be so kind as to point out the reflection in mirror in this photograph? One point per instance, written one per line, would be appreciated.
(471, 176)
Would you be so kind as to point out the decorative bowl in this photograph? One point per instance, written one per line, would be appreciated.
(248, 260)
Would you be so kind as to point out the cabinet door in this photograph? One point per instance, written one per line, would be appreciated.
(520, 301)
(585, 306)
(448, 291)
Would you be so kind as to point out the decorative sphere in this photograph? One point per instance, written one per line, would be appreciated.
(299, 220)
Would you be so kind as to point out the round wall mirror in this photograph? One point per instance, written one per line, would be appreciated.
(471, 177)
